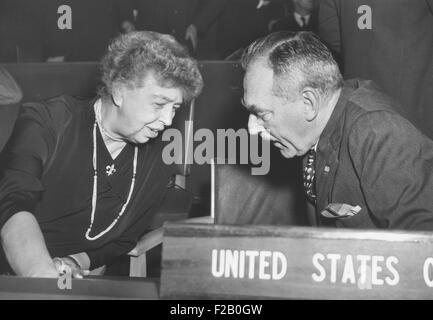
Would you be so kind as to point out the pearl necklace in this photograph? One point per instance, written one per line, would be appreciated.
(95, 191)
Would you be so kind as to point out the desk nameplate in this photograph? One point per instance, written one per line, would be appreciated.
(307, 263)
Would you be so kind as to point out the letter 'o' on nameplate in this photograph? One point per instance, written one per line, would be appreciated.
(212, 261)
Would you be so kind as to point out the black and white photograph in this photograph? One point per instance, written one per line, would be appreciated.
(216, 154)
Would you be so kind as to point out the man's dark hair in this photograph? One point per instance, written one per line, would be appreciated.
(298, 60)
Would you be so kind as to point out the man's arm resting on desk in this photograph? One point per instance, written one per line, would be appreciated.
(24, 247)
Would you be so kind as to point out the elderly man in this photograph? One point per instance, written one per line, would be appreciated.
(80, 180)
(365, 166)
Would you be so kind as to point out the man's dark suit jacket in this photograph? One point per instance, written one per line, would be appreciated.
(289, 24)
(368, 155)
(396, 53)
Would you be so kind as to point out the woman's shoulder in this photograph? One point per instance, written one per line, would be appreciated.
(65, 103)
(56, 111)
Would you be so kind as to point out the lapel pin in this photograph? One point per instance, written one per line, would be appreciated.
(110, 170)
(327, 169)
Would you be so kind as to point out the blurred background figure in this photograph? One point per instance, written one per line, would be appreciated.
(389, 42)
(300, 15)
(20, 31)
(186, 20)
(239, 22)
(224, 26)
(211, 29)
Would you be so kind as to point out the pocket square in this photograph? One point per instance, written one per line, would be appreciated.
(340, 210)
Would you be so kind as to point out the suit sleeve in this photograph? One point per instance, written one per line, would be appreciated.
(23, 159)
(329, 25)
(394, 163)
(207, 14)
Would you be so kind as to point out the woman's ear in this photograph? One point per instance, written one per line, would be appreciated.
(310, 99)
(117, 97)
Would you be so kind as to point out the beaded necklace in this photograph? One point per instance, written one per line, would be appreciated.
(95, 189)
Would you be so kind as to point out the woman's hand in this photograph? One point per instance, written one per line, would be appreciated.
(24, 247)
(42, 270)
(69, 265)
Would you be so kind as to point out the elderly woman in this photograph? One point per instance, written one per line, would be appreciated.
(79, 180)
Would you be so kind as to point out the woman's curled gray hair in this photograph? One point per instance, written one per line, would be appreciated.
(130, 57)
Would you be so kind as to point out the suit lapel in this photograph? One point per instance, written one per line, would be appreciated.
(328, 150)
(326, 166)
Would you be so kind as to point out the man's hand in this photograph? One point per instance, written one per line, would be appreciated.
(68, 265)
(262, 3)
(127, 26)
(191, 35)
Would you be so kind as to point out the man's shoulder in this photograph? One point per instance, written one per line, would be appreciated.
(366, 100)
(360, 106)
(366, 96)
(369, 110)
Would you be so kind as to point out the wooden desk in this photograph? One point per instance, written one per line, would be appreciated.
(219, 262)
(95, 288)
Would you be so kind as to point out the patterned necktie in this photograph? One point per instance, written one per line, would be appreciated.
(309, 176)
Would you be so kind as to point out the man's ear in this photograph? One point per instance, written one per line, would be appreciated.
(311, 99)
